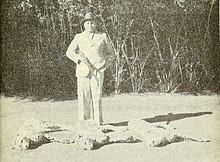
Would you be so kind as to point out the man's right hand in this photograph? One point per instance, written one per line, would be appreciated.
(82, 59)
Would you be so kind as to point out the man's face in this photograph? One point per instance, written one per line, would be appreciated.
(90, 26)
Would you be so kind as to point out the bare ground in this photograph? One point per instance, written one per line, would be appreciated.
(193, 116)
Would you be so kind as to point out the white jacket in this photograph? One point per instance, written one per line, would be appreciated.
(98, 51)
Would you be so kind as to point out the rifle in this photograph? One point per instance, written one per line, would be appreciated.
(88, 63)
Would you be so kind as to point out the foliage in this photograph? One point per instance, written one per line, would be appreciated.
(159, 45)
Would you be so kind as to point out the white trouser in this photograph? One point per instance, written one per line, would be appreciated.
(89, 98)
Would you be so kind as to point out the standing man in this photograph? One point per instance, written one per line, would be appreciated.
(91, 51)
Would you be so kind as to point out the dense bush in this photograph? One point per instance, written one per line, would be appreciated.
(167, 46)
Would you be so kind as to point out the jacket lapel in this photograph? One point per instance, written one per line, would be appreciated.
(96, 38)
(85, 39)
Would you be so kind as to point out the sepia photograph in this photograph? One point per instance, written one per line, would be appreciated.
(110, 81)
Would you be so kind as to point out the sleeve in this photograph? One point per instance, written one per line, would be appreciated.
(71, 52)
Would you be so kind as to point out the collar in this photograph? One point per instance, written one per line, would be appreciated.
(95, 38)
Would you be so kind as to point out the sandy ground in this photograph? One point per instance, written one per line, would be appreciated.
(154, 107)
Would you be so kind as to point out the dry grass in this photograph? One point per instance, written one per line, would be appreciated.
(186, 114)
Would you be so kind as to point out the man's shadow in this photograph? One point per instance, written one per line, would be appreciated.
(165, 118)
